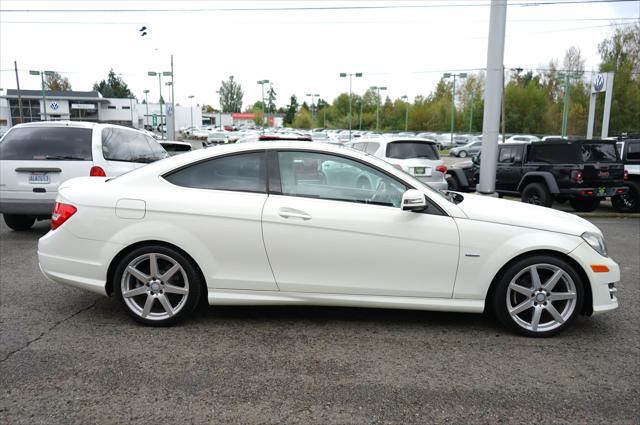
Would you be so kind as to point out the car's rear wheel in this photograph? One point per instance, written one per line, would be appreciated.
(584, 204)
(463, 154)
(628, 202)
(538, 296)
(19, 222)
(537, 194)
(157, 285)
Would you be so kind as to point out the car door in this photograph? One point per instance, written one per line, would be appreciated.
(219, 203)
(344, 239)
(508, 171)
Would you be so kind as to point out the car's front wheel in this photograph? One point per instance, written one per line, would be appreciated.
(157, 285)
(19, 222)
(538, 296)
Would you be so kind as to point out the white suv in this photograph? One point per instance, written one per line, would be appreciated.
(36, 157)
(416, 156)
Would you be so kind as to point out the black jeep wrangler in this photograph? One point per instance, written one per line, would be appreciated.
(582, 172)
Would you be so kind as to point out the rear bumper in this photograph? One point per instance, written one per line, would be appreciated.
(594, 192)
(40, 206)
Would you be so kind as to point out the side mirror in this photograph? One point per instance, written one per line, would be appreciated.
(413, 200)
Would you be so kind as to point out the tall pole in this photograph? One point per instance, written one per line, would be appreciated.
(493, 95)
(173, 104)
(503, 121)
(361, 102)
(378, 109)
(160, 89)
(146, 104)
(15, 66)
(453, 107)
(350, 75)
(44, 99)
(406, 112)
(565, 107)
(191, 110)
(471, 114)
(131, 109)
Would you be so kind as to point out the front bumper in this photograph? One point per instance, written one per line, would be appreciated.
(603, 292)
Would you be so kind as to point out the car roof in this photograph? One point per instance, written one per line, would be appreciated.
(385, 140)
(76, 124)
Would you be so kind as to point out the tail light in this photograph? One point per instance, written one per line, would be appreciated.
(97, 172)
(576, 176)
(626, 174)
(441, 168)
(61, 213)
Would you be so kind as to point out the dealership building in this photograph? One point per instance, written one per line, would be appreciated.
(89, 106)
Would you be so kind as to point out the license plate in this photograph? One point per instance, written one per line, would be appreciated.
(39, 178)
(602, 191)
(418, 170)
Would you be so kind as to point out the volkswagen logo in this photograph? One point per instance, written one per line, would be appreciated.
(54, 105)
(598, 82)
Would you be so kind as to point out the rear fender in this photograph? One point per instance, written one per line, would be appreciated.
(539, 175)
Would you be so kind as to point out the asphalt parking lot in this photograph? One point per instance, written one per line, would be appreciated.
(68, 356)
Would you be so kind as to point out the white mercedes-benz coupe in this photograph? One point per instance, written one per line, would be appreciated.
(281, 223)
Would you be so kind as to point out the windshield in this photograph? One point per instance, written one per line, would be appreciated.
(411, 149)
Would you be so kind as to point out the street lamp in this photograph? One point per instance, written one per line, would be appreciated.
(131, 110)
(44, 99)
(146, 103)
(262, 83)
(344, 75)
(313, 108)
(191, 110)
(378, 105)
(453, 98)
(220, 110)
(160, 74)
(565, 107)
(406, 112)
(169, 84)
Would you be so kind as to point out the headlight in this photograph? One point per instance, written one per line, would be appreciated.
(596, 242)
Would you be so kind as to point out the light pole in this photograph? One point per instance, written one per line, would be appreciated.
(377, 88)
(131, 109)
(565, 106)
(360, 116)
(191, 110)
(44, 99)
(262, 83)
(220, 112)
(160, 74)
(406, 112)
(169, 84)
(146, 104)
(344, 75)
(453, 98)
(471, 113)
(313, 108)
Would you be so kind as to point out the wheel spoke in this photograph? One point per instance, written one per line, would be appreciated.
(551, 283)
(153, 265)
(535, 320)
(535, 277)
(520, 289)
(134, 292)
(172, 289)
(169, 273)
(147, 306)
(138, 274)
(525, 305)
(165, 304)
(559, 296)
(556, 315)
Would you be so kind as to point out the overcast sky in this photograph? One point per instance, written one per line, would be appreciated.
(300, 51)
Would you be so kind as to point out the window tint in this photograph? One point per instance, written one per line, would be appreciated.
(130, 146)
(592, 152)
(371, 148)
(633, 152)
(47, 143)
(507, 155)
(553, 153)
(242, 173)
(317, 175)
(409, 149)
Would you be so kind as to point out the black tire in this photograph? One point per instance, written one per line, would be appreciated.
(194, 285)
(537, 194)
(462, 154)
(19, 222)
(453, 184)
(500, 296)
(584, 204)
(630, 201)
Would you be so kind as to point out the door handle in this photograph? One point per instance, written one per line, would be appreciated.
(292, 213)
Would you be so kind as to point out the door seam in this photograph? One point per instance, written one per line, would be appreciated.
(264, 243)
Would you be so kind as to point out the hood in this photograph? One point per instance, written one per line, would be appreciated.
(515, 213)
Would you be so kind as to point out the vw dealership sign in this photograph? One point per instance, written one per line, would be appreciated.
(599, 83)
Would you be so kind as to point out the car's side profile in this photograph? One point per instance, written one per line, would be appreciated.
(274, 223)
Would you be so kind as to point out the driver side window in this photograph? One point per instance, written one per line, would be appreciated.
(323, 176)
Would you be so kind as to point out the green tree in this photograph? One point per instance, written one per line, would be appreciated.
(113, 87)
(56, 82)
(231, 95)
(271, 99)
(303, 119)
(292, 108)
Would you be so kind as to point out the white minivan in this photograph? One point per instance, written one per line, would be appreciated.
(36, 157)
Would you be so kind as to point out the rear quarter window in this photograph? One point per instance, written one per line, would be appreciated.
(633, 152)
(47, 143)
(130, 146)
(599, 152)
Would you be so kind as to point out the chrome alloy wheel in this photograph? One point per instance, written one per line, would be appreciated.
(541, 297)
(154, 286)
